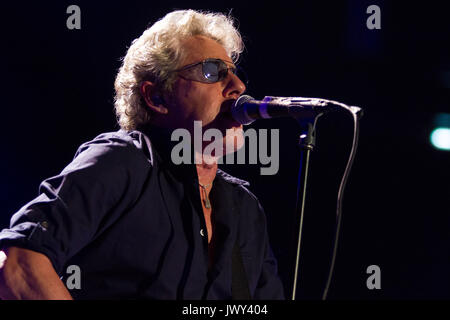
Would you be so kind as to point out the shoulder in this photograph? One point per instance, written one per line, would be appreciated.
(117, 141)
(117, 148)
(110, 155)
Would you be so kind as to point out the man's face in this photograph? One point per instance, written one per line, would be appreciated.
(210, 103)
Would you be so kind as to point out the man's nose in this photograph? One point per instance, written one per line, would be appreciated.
(234, 86)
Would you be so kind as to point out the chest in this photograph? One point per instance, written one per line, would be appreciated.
(207, 214)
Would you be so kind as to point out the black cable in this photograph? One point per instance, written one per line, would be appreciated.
(356, 115)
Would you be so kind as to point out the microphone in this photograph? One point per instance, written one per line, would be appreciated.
(246, 109)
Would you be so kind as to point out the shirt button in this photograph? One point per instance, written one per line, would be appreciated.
(202, 232)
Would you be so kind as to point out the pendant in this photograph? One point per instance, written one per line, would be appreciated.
(207, 203)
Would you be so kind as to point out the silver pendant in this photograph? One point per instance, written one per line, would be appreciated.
(207, 203)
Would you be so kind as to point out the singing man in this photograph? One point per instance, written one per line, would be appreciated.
(132, 223)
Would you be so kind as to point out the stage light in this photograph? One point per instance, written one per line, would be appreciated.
(440, 138)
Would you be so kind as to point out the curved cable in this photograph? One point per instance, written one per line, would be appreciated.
(356, 113)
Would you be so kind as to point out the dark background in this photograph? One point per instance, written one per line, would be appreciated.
(57, 92)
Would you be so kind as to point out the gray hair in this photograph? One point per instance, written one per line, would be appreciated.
(158, 51)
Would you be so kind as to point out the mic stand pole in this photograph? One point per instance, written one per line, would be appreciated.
(306, 143)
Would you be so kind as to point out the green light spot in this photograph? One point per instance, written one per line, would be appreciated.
(440, 138)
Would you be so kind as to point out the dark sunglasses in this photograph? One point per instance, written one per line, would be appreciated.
(210, 71)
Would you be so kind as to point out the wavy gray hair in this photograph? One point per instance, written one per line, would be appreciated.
(156, 54)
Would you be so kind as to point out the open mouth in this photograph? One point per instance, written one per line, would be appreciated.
(228, 117)
(226, 113)
(227, 105)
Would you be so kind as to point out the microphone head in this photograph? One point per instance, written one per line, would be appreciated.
(239, 112)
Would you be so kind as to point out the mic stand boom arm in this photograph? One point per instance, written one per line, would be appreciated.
(298, 105)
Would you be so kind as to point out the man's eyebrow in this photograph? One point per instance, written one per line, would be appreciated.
(227, 61)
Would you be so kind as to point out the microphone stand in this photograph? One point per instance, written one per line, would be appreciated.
(306, 143)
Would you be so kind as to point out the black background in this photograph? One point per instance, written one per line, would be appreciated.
(57, 92)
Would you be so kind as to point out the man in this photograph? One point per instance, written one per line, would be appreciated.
(134, 224)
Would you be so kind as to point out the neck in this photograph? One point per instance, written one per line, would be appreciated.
(206, 169)
(206, 172)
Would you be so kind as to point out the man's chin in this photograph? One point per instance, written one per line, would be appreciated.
(234, 140)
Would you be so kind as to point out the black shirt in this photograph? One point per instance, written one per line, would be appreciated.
(133, 223)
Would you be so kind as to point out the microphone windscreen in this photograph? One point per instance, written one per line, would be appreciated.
(239, 112)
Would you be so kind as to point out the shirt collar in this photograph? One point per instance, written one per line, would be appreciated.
(161, 138)
(229, 178)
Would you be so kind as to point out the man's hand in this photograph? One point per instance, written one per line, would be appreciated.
(26, 274)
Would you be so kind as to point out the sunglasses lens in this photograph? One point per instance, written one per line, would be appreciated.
(211, 71)
(217, 70)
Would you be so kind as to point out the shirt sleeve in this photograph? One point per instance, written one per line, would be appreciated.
(74, 207)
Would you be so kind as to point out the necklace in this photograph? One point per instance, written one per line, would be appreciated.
(204, 186)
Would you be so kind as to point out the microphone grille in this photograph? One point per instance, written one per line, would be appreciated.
(238, 110)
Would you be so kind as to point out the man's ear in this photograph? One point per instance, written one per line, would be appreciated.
(152, 98)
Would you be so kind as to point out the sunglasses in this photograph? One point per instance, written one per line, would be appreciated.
(210, 71)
